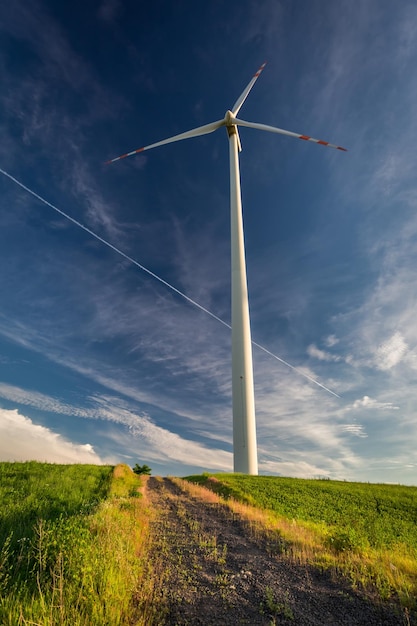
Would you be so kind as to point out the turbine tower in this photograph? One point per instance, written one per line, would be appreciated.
(245, 456)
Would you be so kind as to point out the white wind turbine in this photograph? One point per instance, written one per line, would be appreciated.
(245, 453)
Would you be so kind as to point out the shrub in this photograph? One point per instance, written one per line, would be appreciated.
(142, 469)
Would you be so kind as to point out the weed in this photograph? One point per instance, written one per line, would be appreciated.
(346, 540)
(269, 606)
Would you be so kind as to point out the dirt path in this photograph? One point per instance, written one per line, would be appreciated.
(216, 572)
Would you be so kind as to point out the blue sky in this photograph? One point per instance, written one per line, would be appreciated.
(101, 362)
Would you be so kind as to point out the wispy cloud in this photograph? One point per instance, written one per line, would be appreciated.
(331, 341)
(370, 403)
(354, 429)
(322, 355)
(158, 443)
(391, 352)
(40, 115)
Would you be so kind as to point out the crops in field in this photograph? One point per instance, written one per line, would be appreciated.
(72, 545)
(368, 531)
(378, 515)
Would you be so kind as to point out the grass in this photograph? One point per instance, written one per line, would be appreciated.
(74, 550)
(366, 531)
(273, 609)
(75, 540)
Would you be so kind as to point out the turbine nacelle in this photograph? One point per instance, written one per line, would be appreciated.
(230, 119)
(231, 126)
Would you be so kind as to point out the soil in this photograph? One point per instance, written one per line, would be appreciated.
(215, 570)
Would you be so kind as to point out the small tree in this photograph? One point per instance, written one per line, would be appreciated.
(142, 469)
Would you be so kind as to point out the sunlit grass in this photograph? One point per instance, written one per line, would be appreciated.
(75, 542)
(366, 532)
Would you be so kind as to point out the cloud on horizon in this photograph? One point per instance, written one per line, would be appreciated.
(23, 440)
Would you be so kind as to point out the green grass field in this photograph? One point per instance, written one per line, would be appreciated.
(71, 540)
(368, 531)
(378, 515)
(75, 539)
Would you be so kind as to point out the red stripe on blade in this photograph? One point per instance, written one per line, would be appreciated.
(259, 71)
(305, 137)
(323, 143)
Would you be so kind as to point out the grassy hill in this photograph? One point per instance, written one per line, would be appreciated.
(71, 538)
(75, 539)
(367, 531)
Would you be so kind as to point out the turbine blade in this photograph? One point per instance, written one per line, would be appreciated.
(195, 132)
(237, 105)
(280, 131)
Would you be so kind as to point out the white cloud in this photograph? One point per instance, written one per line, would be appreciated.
(23, 440)
(322, 355)
(370, 403)
(354, 429)
(331, 340)
(391, 352)
(163, 445)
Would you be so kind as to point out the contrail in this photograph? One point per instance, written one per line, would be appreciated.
(313, 380)
(161, 280)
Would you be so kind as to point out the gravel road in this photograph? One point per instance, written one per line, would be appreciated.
(214, 570)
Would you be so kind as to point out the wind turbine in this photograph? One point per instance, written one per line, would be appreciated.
(245, 453)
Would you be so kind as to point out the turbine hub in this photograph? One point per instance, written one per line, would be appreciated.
(229, 120)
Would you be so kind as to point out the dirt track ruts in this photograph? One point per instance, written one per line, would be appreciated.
(215, 571)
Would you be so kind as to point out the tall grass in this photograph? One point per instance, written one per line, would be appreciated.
(366, 531)
(74, 543)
